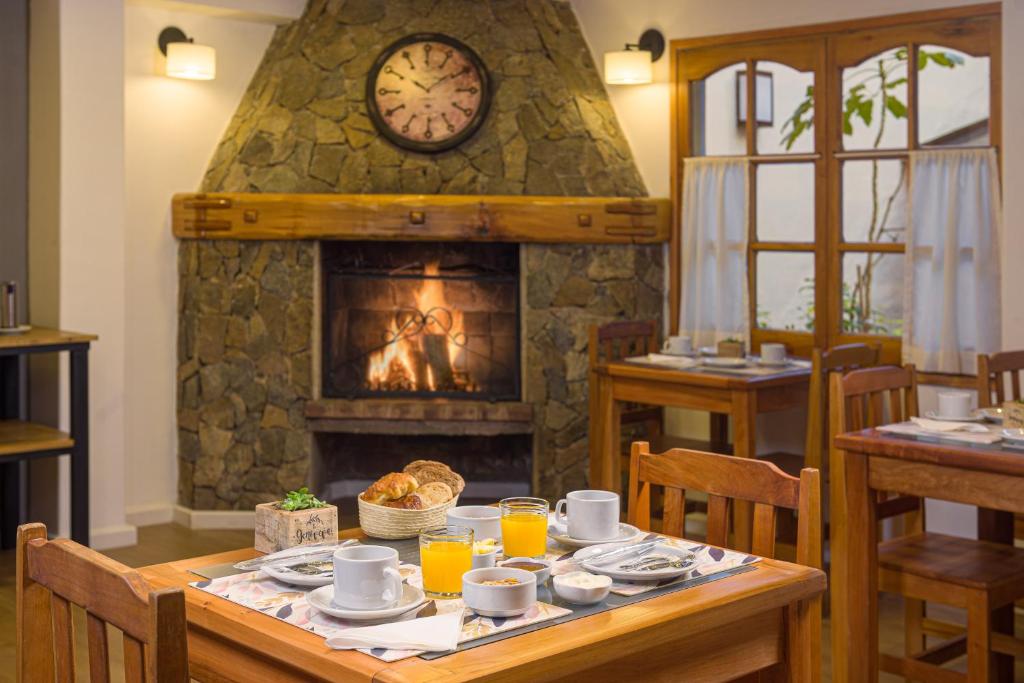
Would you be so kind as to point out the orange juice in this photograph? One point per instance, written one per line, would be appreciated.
(524, 534)
(443, 564)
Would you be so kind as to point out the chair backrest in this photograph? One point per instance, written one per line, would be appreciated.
(991, 369)
(823, 363)
(725, 478)
(54, 575)
(871, 397)
(617, 340)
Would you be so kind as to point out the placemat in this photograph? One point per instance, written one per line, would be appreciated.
(694, 365)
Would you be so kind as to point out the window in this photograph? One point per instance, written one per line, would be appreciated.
(828, 186)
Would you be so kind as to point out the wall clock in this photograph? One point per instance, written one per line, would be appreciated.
(428, 92)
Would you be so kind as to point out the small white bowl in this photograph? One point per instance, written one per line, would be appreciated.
(499, 601)
(484, 520)
(580, 595)
(484, 560)
(541, 574)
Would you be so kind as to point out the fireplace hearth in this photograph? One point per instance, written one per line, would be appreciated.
(421, 320)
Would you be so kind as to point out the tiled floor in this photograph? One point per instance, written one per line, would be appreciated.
(167, 542)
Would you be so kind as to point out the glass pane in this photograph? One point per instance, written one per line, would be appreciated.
(873, 293)
(785, 290)
(785, 109)
(953, 97)
(713, 114)
(874, 200)
(875, 102)
(785, 202)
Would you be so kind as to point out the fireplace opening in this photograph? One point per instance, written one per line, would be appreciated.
(413, 319)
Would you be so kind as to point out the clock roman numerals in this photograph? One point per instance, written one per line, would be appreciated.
(468, 111)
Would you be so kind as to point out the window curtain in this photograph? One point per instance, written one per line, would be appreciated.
(952, 302)
(714, 302)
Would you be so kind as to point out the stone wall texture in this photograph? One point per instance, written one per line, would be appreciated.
(246, 308)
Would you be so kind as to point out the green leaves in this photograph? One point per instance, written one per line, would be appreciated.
(895, 107)
(857, 105)
(948, 60)
(802, 119)
(300, 500)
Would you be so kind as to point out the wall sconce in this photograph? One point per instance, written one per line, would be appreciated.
(632, 65)
(185, 59)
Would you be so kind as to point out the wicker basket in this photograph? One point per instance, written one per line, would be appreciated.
(392, 523)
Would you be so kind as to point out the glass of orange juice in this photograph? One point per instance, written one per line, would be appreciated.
(446, 554)
(524, 526)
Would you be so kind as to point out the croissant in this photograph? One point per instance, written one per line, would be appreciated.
(390, 487)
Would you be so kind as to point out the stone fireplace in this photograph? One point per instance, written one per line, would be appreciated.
(277, 389)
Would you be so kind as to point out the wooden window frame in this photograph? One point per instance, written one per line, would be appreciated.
(824, 49)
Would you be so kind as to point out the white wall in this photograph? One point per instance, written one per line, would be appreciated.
(172, 127)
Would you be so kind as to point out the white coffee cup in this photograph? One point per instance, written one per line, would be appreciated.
(589, 515)
(484, 520)
(773, 353)
(677, 346)
(954, 404)
(366, 577)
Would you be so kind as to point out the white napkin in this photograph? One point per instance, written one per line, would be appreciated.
(677, 362)
(972, 436)
(948, 426)
(432, 634)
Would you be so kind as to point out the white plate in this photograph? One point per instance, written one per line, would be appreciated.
(20, 329)
(973, 417)
(627, 532)
(295, 578)
(612, 569)
(992, 414)
(323, 599)
(773, 363)
(1014, 435)
(725, 362)
(708, 351)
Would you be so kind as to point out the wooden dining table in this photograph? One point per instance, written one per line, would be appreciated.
(739, 397)
(714, 631)
(868, 461)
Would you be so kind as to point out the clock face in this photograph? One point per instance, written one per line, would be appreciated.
(428, 92)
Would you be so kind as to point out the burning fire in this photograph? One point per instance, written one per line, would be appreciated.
(424, 353)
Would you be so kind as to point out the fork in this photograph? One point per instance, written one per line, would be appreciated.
(639, 564)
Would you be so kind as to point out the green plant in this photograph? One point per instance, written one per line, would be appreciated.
(300, 500)
(869, 90)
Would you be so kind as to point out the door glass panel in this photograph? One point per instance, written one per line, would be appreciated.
(785, 202)
(874, 200)
(714, 129)
(874, 106)
(785, 109)
(953, 97)
(785, 290)
(872, 296)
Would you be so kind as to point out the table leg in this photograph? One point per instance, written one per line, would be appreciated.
(997, 526)
(719, 431)
(803, 635)
(604, 439)
(12, 474)
(744, 445)
(80, 452)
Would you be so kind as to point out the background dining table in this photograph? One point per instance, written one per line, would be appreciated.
(710, 632)
(741, 397)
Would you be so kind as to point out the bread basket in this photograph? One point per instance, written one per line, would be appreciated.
(379, 521)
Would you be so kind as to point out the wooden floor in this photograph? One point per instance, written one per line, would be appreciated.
(166, 542)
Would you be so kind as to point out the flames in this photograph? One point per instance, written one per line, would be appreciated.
(424, 353)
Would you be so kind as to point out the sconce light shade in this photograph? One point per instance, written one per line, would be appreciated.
(627, 67)
(188, 60)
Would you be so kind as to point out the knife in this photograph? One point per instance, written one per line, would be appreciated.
(620, 553)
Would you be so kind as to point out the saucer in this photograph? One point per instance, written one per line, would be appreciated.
(323, 599)
(973, 417)
(285, 575)
(627, 532)
(20, 329)
(1014, 436)
(662, 549)
(725, 362)
(991, 414)
(773, 363)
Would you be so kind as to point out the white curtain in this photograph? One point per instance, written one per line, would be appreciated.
(951, 296)
(714, 303)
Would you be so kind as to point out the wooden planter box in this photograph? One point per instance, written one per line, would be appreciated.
(1013, 415)
(728, 349)
(278, 529)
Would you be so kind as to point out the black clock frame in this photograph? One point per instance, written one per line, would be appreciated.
(486, 92)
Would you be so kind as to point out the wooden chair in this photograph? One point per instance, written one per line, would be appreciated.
(724, 479)
(991, 371)
(922, 566)
(54, 575)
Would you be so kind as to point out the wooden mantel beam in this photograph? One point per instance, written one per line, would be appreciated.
(258, 216)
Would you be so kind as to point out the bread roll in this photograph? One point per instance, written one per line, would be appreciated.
(429, 471)
(434, 493)
(390, 487)
(409, 502)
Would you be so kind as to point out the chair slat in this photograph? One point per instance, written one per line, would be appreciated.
(898, 414)
(34, 629)
(63, 639)
(673, 520)
(764, 530)
(1015, 379)
(99, 660)
(134, 661)
(718, 520)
